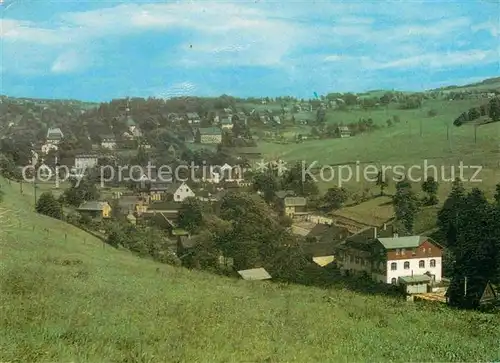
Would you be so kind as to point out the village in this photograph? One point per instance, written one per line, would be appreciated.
(411, 263)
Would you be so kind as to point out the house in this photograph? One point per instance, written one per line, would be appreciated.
(210, 135)
(385, 257)
(108, 141)
(322, 242)
(163, 212)
(229, 172)
(226, 123)
(295, 206)
(95, 209)
(180, 191)
(158, 190)
(132, 204)
(277, 120)
(193, 118)
(343, 131)
(471, 293)
(86, 161)
(54, 136)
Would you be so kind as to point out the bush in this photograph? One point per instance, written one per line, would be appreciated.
(48, 205)
(431, 113)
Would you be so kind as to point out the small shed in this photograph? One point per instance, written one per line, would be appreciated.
(254, 274)
(417, 284)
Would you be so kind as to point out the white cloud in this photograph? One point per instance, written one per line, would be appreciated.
(262, 34)
(70, 61)
(439, 60)
(176, 90)
(490, 26)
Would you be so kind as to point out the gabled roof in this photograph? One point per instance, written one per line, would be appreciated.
(343, 128)
(159, 186)
(93, 206)
(402, 242)
(295, 201)
(54, 133)
(169, 206)
(210, 131)
(192, 115)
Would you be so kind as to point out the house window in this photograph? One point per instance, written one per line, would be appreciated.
(429, 250)
(433, 263)
(177, 197)
(421, 264)
(407, 265)
(397, 251)
(403, 251)
(423, 250)
(414, 252)
(394, 266)
(357, 260)
(393, 281)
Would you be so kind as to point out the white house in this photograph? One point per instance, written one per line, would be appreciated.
(226, 123)
(54, 136)
(388, 258)
(86, 161)
(180, 191)
(108, 142)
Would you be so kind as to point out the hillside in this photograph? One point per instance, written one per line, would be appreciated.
(484, 85)
(66, 297)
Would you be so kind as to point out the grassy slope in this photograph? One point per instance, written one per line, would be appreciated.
(65, 300)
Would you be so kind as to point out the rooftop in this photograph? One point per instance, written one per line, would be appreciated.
(254, 274)
(210, 131)
(402, 242)
(93, 206)
(295, 201)
(415, 279)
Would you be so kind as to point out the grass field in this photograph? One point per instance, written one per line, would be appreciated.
(418, 141)
(71, 299)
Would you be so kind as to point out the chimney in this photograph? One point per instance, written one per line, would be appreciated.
(375, 232)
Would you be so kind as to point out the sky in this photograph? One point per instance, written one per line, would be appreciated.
(101, 50)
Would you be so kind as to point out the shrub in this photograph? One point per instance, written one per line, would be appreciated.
(48, 205)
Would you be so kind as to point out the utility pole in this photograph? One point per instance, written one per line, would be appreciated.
(465, 287)
(475, 133)
(421, 130)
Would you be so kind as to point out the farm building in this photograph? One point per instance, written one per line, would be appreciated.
(95, 209)
(385, 257)
(209, 135)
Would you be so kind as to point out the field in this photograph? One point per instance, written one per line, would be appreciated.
(65, 297)
(418, 141)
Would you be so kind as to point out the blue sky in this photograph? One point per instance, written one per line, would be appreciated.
(99, 50)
